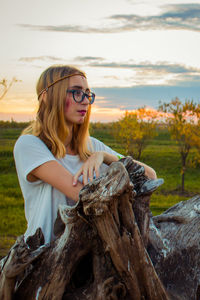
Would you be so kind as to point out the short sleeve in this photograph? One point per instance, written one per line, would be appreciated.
(29, 153)
(99, 146)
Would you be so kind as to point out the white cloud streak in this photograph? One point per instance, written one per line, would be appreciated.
(40, 58)
(173, 17)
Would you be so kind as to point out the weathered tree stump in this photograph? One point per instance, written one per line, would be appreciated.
(174, 248)
(109, 247)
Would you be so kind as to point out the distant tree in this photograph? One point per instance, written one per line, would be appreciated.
(5, 86)
(13, 124)
(196, 137)
(197, 129)
(182, 119)
(135, 130)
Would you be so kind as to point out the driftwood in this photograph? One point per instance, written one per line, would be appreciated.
(109, 247)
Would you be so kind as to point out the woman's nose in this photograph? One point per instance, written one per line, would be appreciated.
(85, 100)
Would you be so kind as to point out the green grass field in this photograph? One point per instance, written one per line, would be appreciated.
(161, 154)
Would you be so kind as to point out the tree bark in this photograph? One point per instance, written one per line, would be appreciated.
(183, 173)
(174, 248)
(109, 247)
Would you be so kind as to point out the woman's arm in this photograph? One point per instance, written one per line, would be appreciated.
(94, 162)
(56, 175)
(149, 172)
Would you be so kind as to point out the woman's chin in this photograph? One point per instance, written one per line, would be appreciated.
(77, 121)
(81, 120)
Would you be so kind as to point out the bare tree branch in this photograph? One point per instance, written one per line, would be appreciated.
(6, 86)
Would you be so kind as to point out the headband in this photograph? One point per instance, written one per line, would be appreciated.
(67, 76)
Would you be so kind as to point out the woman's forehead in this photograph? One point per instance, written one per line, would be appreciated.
(78, 80)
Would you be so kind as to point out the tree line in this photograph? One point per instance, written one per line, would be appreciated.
(13, 124)
(136, 129)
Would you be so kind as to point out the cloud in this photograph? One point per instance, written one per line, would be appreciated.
(188, 80)
(40, 58)
(179, 17)
(173, 17)
(69, 28)
(88, 58)
(142, 72)
(148, 73)
(160, 67)
(183, 11)
(163, 67)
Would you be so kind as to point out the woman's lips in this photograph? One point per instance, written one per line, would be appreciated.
(82, 112)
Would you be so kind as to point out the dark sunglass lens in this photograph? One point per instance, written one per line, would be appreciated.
(93, 97)
(78, 95)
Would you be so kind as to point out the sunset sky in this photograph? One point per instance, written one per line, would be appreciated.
(135, 52)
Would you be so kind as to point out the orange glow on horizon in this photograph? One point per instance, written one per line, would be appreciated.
(22, 108)
(99, 114)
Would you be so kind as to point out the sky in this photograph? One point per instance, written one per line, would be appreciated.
(135, 52)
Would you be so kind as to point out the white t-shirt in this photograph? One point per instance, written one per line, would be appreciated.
(41, 200)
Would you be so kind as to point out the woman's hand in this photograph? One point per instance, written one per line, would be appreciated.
(90, 167)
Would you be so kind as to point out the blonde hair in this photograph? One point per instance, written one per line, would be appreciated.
(50, 125)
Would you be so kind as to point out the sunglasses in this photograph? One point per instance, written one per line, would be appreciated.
(79, 96)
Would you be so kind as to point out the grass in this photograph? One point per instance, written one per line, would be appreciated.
(161, 154)
(12, 216)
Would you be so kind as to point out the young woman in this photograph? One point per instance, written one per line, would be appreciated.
(55, 157)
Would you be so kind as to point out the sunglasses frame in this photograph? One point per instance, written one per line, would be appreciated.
(91, 95)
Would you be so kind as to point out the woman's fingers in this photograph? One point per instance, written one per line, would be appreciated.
(85, 176)
(88, 174)
(89, 168)
(76, 176)
(91, 173)
(96, 171)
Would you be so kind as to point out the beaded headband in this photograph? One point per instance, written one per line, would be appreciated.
(67, 76)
